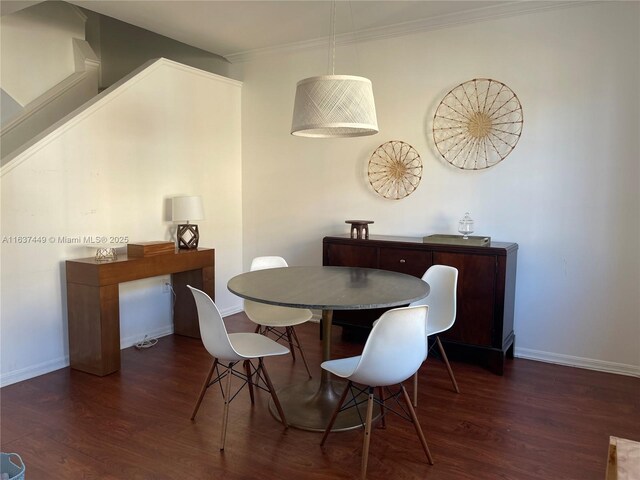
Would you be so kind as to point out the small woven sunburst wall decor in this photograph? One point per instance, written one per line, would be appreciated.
(395, 170)
(477, 124)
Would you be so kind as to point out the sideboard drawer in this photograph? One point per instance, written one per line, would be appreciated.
(411, 262)
(350, 256)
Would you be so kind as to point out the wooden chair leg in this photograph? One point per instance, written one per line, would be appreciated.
(334, 415)
(258, 329)
(204, 388)
(367, 435)
(227, 400)
(272, 391)
(295, 337)
(287, 331)
(416, 424)
(415, 389)
(446, 361)
(247, 369)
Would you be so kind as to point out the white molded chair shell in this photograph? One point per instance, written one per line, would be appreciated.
(262, 263)
(443, 281)
(230, 347)
(274, 318)
(394, 351)
(274, 315)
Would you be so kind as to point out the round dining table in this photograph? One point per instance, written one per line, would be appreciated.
(308, 405)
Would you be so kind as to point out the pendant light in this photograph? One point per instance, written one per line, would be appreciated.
(333, 106)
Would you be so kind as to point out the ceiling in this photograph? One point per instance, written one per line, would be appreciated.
(230, 28)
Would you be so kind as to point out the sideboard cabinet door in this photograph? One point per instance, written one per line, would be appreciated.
(475, 297)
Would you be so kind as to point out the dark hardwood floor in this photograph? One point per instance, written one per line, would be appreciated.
(538, 421)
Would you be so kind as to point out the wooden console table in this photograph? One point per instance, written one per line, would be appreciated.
(93, 302)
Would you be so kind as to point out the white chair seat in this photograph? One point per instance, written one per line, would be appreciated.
(342, 367)
(276, 316)
(250, 345)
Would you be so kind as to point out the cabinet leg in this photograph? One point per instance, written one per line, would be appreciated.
(511, 349)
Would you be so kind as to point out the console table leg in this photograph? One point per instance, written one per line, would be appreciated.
(94, 328)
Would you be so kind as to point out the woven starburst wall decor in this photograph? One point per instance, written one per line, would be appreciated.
(395, 170)
(477, 124)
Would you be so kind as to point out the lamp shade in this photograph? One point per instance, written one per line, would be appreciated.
(334, 106)
(186, 208)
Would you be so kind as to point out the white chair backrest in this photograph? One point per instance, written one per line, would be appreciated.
(443, 283)
(212, 330)
(395, 348)
(262, 263)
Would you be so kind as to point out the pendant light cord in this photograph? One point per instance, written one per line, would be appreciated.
(333, 37)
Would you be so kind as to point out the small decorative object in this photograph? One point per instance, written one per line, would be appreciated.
(395, 170)
(333, 106)
(186, 209)
(359, 228)
(149, 249)
(106, 254)
(477, 124)
(465, 226)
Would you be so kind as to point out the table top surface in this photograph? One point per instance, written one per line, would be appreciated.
(329, 288)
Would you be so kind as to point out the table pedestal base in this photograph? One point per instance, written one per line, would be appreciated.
(309, 406)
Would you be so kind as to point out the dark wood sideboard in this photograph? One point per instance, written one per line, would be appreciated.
(483, 331)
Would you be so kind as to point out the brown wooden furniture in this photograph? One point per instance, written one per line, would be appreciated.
(93, 305)
(483, 331)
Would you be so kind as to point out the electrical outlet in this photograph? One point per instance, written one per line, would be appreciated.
(166, 287)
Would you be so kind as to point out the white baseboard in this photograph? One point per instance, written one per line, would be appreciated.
(580, 362)
(33, 371)
(157, 333)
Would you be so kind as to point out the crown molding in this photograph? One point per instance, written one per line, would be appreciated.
(414, 26)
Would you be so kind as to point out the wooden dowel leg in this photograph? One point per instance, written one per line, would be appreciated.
(227, 400)
(247, 369)
(295, 337)
(272, 391)
(367, 435)
(204, 388)
(334, 415)
(416, 424)
(415, 389)
(290, 340)
(446, 362)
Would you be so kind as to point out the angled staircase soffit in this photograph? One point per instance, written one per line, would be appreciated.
(18, 156)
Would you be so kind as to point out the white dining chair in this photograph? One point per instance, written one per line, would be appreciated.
(275, 320)
(229, 349)
(393, 352)
(443, 283)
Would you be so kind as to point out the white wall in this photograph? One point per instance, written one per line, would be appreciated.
(170, 130)
(568, 193)
(36, 48)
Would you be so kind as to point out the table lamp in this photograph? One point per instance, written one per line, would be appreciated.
(186, 209)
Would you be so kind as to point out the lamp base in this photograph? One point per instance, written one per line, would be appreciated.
(188, 236)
